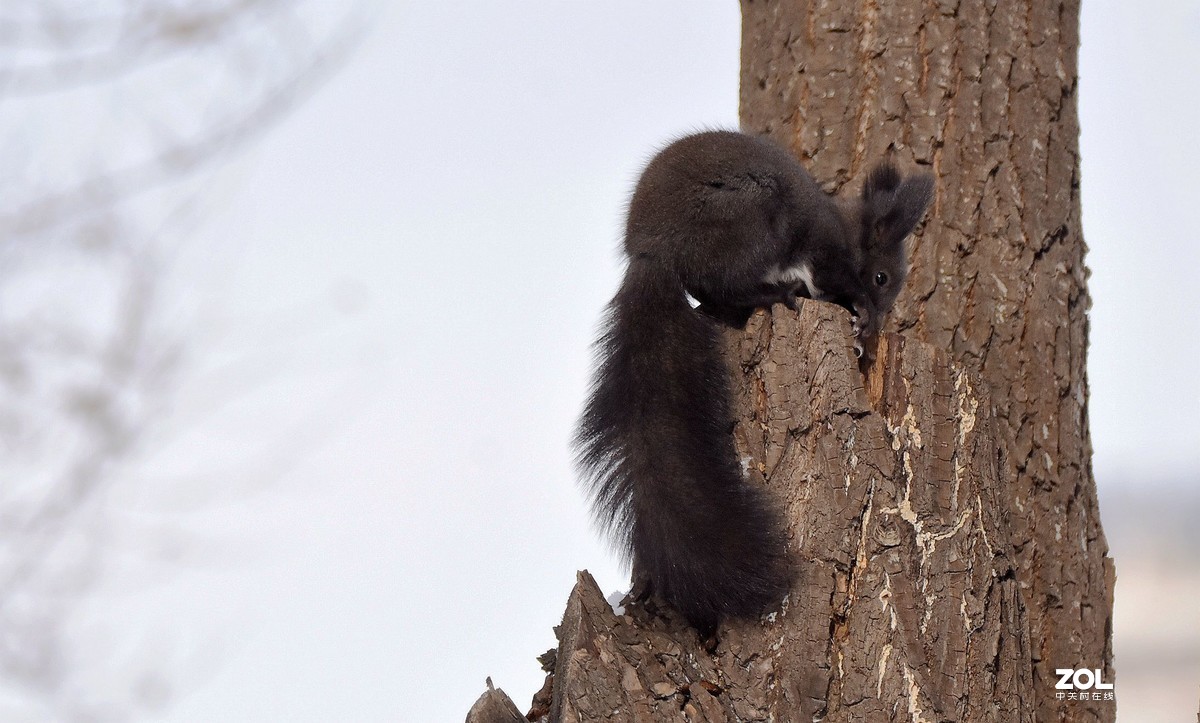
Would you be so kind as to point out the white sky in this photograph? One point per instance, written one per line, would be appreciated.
(409, 272)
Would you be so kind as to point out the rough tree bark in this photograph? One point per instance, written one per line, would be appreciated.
(984, 92)
(941, 506)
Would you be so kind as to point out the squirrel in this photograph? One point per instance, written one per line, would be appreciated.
(735, 223)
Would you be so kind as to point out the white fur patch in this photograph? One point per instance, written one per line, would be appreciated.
(691, 300)
(787, 276)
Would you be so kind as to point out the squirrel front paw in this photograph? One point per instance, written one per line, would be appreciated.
(860, 318)
(860, 327)
(789, 300)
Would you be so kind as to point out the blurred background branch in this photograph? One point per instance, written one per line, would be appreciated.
(114, 116)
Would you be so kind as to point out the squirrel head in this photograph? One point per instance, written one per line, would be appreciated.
(881, 219)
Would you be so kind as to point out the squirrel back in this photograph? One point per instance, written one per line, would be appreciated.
(736, 223)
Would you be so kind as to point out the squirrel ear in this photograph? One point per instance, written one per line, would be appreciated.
(895, 204)
(883, 179)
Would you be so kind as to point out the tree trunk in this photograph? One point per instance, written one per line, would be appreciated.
(984, 93)
(941, 509)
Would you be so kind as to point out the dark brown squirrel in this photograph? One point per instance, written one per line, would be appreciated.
(736, 223)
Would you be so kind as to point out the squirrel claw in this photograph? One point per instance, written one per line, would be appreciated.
(861, 314)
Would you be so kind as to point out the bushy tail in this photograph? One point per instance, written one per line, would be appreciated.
(655, 442)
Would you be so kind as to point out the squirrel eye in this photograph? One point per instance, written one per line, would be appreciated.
(881, 278)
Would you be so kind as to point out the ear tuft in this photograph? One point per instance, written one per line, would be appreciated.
(895, 205)
(915, 194)
(882, 179)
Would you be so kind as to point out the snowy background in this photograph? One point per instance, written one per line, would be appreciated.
(359, 500)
